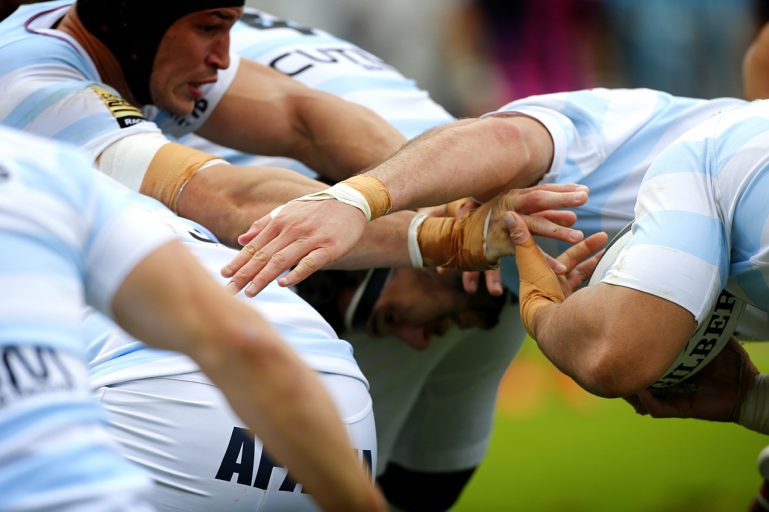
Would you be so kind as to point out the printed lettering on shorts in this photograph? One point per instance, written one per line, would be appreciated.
(240, 457)
(32, 372)
(124, 113)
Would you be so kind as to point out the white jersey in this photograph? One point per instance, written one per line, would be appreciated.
(326, 63)
(61, 226)
(606, 139)
(51, 87)
(116, 357)
(702, 217)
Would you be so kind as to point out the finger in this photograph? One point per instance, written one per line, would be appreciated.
(494, 282)
(254, 230)
(248, 264)
(516, 228)
(542, 227)
(542, 200)
(560, 187)
(561, 217)
(579, 252)
(470, 281)
(308, 265)
(557, 266)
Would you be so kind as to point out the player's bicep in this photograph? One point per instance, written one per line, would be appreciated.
(262, 101)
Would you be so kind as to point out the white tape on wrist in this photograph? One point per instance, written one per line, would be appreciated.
(415, 253)
(486, 223)
(341, 192)
(344, 194)
(754, 412)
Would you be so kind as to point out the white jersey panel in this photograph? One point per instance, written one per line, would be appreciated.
(51, 86)
(117, 357)
(327, 63)
(702, 210)
(54, 215)
(606, 139)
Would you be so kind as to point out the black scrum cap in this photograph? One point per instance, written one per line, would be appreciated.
(132, 30)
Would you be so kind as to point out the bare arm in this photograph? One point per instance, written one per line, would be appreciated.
(755, 67)
(170, 302)
(612, 340)
(265, 112)
(473, 157)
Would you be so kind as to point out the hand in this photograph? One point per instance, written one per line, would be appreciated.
(312, 233)
(470, 279)
(540, 208)
(537, 206)
(714, 393)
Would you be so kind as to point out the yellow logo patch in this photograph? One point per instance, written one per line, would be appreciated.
(125, 114)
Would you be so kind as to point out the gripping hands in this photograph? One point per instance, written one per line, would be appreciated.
(313, 231)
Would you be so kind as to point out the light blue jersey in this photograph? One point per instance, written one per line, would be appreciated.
(606, 139)
(329, 64)
(51, 86)
(66, 239)
(702, 217)
(116, 357)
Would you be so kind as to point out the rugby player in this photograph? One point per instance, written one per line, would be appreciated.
(83, 84)
(71, 237)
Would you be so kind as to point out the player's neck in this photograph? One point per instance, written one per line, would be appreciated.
(106, 63)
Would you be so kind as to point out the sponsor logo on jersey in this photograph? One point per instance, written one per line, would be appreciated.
(200, 108)
(240, 456)
(124, 113)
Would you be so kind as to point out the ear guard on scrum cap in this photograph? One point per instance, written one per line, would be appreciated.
(713, 333)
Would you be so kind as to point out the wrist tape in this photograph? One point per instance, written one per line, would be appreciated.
(365, 193)
(754, 411)
(539, 285)
(453, 242)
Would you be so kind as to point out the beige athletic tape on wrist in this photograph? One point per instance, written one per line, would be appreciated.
(456, 242)
(754, 412)
(170, 170)
(366, 193)
(539, 285)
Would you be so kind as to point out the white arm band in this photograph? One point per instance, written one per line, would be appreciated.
(754, 412)
(127, 160)
(415, 253)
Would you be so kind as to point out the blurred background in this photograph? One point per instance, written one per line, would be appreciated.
(475, 55)
(554, 446)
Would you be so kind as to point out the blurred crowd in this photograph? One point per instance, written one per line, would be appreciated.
(474, 55)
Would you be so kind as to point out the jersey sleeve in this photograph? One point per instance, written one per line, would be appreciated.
(679, 250)
(121, 236)
(90, 115)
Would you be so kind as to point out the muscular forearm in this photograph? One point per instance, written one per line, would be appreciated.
(609, 339)
(478, 157)
(383, 244)
(227, 199)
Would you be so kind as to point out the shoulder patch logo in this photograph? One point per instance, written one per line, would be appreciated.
(125, 114)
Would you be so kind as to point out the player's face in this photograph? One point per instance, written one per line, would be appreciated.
(416, 305)
(191, 52)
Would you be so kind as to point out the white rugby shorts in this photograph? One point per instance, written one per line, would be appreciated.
(182, 431)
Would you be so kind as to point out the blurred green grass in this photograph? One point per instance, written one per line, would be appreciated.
(555, 447)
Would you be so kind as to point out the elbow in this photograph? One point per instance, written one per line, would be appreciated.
(613, 372)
